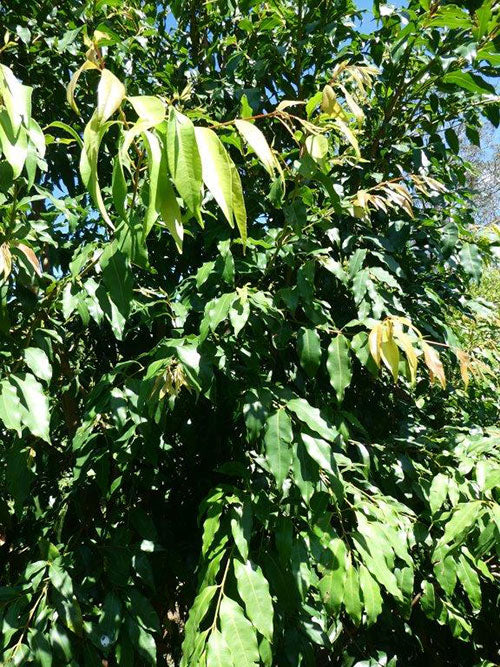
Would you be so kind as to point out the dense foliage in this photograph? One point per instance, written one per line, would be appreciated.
(245, 417)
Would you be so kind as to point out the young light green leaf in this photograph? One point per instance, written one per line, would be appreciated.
(162, 200)
(339, 365)
(16, 97)
(238, 633)
(110, 94)
(253, 589)
(317, 146)
(238, 204)
(70, 90)
(184, 160)
(14, 145)
(309, 349)
(216, 170)
(148, 108)
(389, 353)
(258, 143)
(92, 137)
(278, 438)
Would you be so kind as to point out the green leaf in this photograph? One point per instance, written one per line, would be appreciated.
(352, 600)
(451, 16)
(438, 492)
(320, 451)
(471, 82)
(241, 527)
(119, 187)
(311, 417)
(67, 605)
(339, 365)
(142, 640)
(197, 613)
(143, 611)
(10, 407)
(469, 579)
(117, 277)
(356, 261)
(218, 653)
(238, 315)
(35, 411)
(305, 472)
(278, 438)
(37, 360)
(331, 586)
(372, 599)
(452, 139)
(428, 599)
(309, 348)
(471, 261)
(42, 651)
(464, 516)
(238, 633)
(218, 309)
(253, 589)
(111, 617)
(446, 574)
(184, 160)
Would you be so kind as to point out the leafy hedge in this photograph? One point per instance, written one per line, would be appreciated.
(243, 420)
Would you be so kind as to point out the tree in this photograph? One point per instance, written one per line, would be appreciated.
(238, 422)
(483, 179)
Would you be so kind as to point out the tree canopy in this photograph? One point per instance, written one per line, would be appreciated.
(243, 420)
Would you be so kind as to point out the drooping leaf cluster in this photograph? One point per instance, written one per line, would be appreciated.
(243, 421)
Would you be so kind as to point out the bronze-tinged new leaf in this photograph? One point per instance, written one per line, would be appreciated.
(464, 361)
(433, 363)
(5, 260)
(31, 257)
